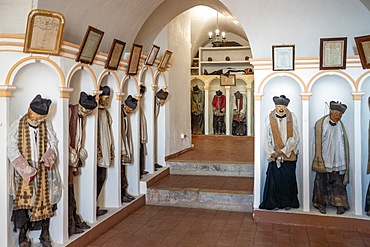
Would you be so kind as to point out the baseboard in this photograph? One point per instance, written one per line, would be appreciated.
(171, 156)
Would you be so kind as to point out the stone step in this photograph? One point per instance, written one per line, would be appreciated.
(240, 201)
(211, 168)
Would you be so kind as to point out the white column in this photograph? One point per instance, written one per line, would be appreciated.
(305, 140)
(206, 110)
(227, 114)
(257, 153)
(249, 111)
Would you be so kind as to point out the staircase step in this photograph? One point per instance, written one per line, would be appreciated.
(211, 168)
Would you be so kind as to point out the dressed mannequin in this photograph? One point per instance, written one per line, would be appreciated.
(160, 99)
(219, 109)
(197, 111)
(105, 143)
(36, 184)
(143, 135)
(281, 147)
(77, 156)
(331, 161)
(239, 126)
(367, 200)
(128, 106)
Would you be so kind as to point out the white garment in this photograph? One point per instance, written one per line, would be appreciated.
(78, 153)
(106, 138)
(333, 151)
(290, 144)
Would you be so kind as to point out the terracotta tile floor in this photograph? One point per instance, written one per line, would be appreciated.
(171, 226)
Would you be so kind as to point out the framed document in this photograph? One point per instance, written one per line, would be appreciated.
(283, 57)
(115, 54)
(133, 63)
(363, 48)
(333, 53)
(90, 45)
(229, 80)
(44, 32)
(162, 66)
(152, 55)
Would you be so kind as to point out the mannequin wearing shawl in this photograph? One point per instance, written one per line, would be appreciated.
(219, 108)
(331, 161)
(239, 126)
(281, 147)
(77, 156)
(36, 184)
(197, 111)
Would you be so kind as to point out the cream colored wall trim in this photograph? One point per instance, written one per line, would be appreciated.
(258, 96)
(357, 95)
(81, 66)
(65, 92)
(109, 72)
(305, 96)
(125, 80)
(340, 73)
(6, 91)
(156, 79)
(285, 73)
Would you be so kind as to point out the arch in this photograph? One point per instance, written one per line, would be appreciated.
(143, 70)
(27, 60)
(361, 79)
(103, 73)
(126, 80)
(276, 74)
(156, 78)
(320, 74)
(75, 68)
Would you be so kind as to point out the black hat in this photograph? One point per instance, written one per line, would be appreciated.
(195, 88)
(162, 94)
(131, 102)
(282, 100)
(218, 92)
(105, 89)
(336, 105)
(142, 89)
(40, 105)
(87, 101)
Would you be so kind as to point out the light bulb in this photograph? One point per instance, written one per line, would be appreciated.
(217, 32)
(210, 35)
(223, 34)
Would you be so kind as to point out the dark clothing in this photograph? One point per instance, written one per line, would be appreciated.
(329, 189)
(142, 159)
(367, 203)
(197, 124)
(239, 128)
(20, 218)
(101, 176)
(281, 186)
(219, 126)
(124, 182)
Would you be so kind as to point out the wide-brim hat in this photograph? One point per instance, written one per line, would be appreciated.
(40, 105)
(219, 92)
(195, 88)
(336, 105)
(131, 102)
(281, 100)
(105, 89)
(161, 94)
(142, 89)
(87, 101)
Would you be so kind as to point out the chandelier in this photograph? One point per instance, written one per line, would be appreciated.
(220, 37)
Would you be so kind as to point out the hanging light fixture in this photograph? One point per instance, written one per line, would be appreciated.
(217, 41)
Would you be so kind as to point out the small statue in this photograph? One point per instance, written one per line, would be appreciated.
(239, 126)
(331, 161)
(219, 110)
(197, 111)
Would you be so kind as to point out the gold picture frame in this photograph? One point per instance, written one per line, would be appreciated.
(44, 32)
(162, 66)
(283, 57)
(134, 61)
(363, 48)
(115, 54)
(89, 46)
(227, 80)
(333, 53)
(152, 55)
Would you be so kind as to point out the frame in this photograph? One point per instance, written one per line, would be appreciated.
(90, 45)
(164, 61)
(283, 57)
(333, 53)
(152, 55)
(44, 32)
(134, 61)
(229, 80)
(115, 54)
(363, 48)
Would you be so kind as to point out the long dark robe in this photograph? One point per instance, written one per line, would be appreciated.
(281, 186)
(367, 203)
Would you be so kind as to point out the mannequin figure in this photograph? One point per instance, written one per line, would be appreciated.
(367, 200)
(239, 124)
(35, 180)
(331, 161)
(197, 111)
(143, 135)
(160, 99)
(128, 106)
(105, 142)
(219, 109)
(77, 156)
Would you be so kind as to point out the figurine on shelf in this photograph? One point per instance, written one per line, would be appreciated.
(35, 179)
(331, 161)
(77, 156)
(105, 143)
(281, 147)
(239, 126)
(219, 110)
(197, 111)
(128, 106)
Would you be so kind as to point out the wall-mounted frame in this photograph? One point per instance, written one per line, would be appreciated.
(162, 66)
(152, 55)
(283, 57)
(90, 45)
(44, 32)
(134, 61)
(229, 80)
(363, 48)
(115, 54)
(333, 53)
